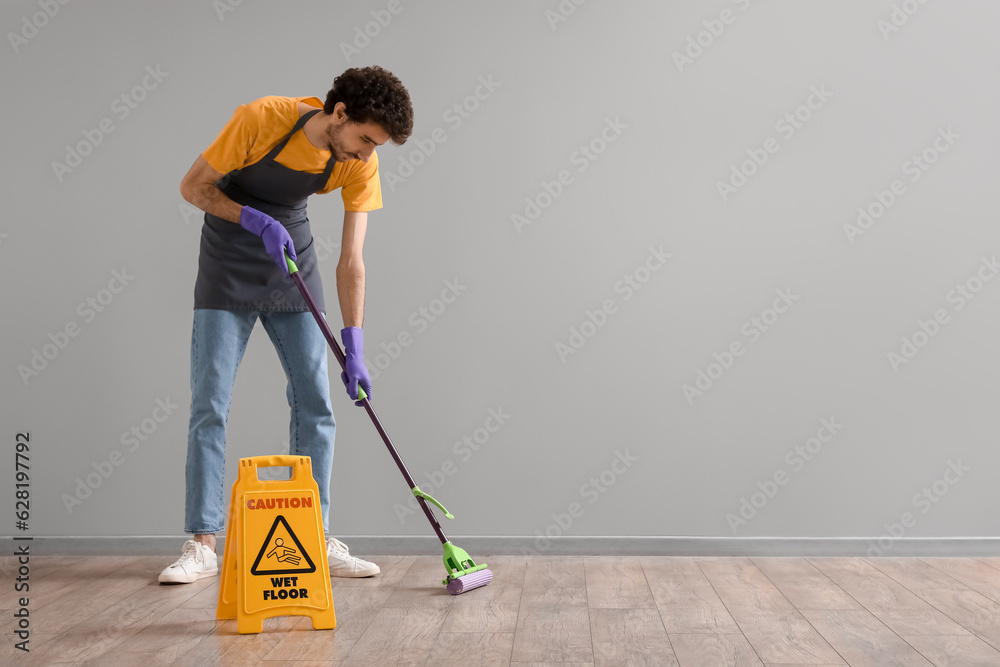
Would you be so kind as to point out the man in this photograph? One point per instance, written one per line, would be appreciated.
(253, 182)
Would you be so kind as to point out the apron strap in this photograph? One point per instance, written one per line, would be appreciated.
(329, 170)
(295, 128)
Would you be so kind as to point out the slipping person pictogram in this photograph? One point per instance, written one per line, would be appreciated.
(278, 556)
(282, 553)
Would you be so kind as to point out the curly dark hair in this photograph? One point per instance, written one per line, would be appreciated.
(374, 94)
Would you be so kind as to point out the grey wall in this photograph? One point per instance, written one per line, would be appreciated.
(885, 86)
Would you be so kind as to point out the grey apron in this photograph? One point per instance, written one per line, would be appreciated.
(234, 270)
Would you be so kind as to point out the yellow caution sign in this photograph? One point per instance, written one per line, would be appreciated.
(275, 557)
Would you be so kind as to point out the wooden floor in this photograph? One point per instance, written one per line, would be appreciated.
(698, 612)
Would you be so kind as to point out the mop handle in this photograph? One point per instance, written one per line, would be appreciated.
(293, 270)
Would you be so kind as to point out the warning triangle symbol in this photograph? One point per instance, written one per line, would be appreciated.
(279, 556)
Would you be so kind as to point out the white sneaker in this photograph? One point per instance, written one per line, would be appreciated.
(196, 561)
(343, 564)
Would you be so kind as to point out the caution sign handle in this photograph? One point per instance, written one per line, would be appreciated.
(279, 461)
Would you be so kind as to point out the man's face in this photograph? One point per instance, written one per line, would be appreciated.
(348, 140)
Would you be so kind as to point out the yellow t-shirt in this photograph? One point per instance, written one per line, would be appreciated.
(254, 130)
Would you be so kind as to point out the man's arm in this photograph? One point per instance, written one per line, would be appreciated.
(198, 187)
(351, 269)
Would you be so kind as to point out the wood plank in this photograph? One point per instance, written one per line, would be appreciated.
(954, 651)
(206, 598)
(100, 634)
(775, 629)
(37, 643)
(630, 637)
(398, 636)
(746, 601)
(105, 588)
(355, 607)
(968, 608)
(685, 598)
(734, 573)
(772, 625)
(889, 601)
(61, 583)
(616, 583)
(492, 608)
(863, 640)
(553, 626)
(421, 586)
(715, 649)
(907, 571)
(163, 641)
(992, 561)
(39, 563)
(508, 570)
(472, 649)
(393, 569)
(226, 646)
(974, 574)
(803, 585)
(555, 572)
(40, 566)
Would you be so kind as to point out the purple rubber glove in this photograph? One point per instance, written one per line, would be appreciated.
(356, 372)
(276, 238)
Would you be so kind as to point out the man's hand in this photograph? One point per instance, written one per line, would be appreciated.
(276, 238)
(356, 372)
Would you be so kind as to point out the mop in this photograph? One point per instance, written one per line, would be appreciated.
(463, 573)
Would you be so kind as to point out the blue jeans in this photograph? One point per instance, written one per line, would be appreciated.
(218, 340)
